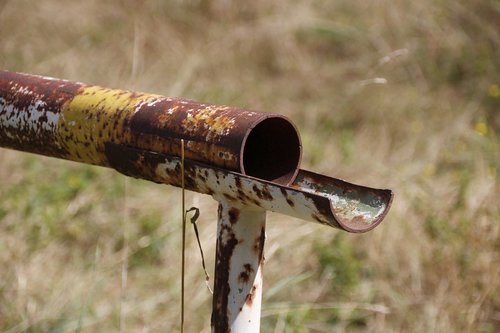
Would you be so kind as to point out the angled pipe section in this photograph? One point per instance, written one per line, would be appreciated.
(311, 197)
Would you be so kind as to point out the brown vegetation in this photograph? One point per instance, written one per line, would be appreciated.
(398, 94)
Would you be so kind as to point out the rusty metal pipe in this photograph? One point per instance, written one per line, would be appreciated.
(75, 121)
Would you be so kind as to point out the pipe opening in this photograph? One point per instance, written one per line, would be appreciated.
(272, 151)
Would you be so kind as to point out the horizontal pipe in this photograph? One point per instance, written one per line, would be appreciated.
(75, 121)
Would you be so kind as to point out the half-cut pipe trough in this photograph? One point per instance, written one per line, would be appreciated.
(248, 161)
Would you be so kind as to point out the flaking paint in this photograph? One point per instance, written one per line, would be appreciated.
(318, 202)
(75, 121)
(238, 269)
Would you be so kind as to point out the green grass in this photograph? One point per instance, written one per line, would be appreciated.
(403, 95)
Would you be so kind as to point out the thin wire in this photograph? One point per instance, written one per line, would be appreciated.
(195, 217)
(183, 235)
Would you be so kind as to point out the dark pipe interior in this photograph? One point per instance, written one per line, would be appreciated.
(272, 151)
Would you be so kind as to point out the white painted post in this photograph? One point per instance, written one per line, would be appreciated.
(238, 269)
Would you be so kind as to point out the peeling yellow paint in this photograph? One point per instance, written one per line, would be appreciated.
(215, 125)
(95, 116)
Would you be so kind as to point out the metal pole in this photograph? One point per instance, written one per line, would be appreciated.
(238, 268)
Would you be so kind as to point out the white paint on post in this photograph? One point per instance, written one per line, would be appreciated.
(238, 269)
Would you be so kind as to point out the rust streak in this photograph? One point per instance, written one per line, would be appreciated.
(263, 193)
(226, 243)
(234, 214)
(245, 275)
(258, 245)
(250, 297)
(288, 200)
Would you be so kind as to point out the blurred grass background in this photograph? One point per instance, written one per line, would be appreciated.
(398, 94)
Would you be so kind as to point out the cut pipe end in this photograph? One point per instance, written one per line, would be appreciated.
(272, 150)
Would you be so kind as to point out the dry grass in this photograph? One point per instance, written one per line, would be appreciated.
(398, 94)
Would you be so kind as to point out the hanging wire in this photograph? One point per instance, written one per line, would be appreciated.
(183, 235)
(195, 217)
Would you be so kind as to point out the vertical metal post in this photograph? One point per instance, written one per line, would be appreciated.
(238, 268)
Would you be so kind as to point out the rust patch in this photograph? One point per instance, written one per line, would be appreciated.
(288, 200)
(234, 214)
(250, 297)
(29, 107)
(257, 191)
(237, 182)
(359, 219)
(243, 197)
(266, 194)
(226, 242)
(126, 162)
(263, 193)
(256, 202)
(245, 275)
(214, 133)
(219, 212)
(258, 244)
